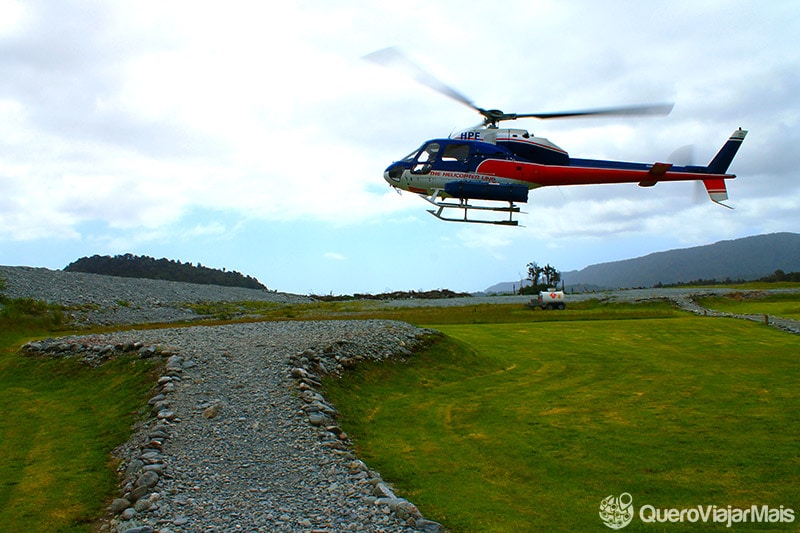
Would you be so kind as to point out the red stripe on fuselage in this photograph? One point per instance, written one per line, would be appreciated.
(548, 175)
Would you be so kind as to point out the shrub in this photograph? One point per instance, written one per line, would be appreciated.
(29, 312)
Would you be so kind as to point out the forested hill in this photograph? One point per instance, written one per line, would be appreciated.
(134, 266)
(748, 258)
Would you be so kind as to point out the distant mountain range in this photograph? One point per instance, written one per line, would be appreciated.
(748, 258)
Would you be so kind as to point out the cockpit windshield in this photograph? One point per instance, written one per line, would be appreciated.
(412, 156)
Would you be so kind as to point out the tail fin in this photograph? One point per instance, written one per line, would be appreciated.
(723, 159)
(719, 165)
(717, 191)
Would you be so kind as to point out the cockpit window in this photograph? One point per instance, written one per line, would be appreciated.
(456, 152)
(425, 158)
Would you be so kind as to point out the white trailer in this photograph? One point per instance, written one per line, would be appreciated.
(549, 299)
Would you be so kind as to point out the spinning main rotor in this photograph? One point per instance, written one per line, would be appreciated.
(394, 58)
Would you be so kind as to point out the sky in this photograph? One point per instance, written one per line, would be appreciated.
(253, 136)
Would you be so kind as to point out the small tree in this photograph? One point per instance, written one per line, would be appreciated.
(541, 278)
(534, 273)
(551, 275)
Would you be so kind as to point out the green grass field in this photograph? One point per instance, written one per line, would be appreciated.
(60, 421)
(457, 314)
(526, 426)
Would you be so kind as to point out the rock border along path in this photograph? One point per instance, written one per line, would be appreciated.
(688, 303)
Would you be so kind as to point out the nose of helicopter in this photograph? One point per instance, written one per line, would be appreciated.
(393, 173)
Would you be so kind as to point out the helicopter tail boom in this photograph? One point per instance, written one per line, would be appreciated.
(595, 172)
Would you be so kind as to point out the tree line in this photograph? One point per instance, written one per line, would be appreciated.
(780, 275)
(437, 294)
(134, 266)
(775, 277)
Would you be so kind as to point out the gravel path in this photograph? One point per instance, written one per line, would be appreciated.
(238, 450)
(241, 438)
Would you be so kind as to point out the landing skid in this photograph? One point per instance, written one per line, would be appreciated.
(464, 204)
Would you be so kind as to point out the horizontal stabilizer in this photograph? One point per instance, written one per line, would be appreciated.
(659, 169)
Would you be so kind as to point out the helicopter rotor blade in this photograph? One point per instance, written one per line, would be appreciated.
(633, 110)
(391, 57)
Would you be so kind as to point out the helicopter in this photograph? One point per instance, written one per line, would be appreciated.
(499, 166)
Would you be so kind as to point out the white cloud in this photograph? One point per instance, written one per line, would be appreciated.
(12, 14)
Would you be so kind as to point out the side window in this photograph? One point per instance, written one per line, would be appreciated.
(456, 152)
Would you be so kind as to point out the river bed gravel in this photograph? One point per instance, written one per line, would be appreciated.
(107, 300)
